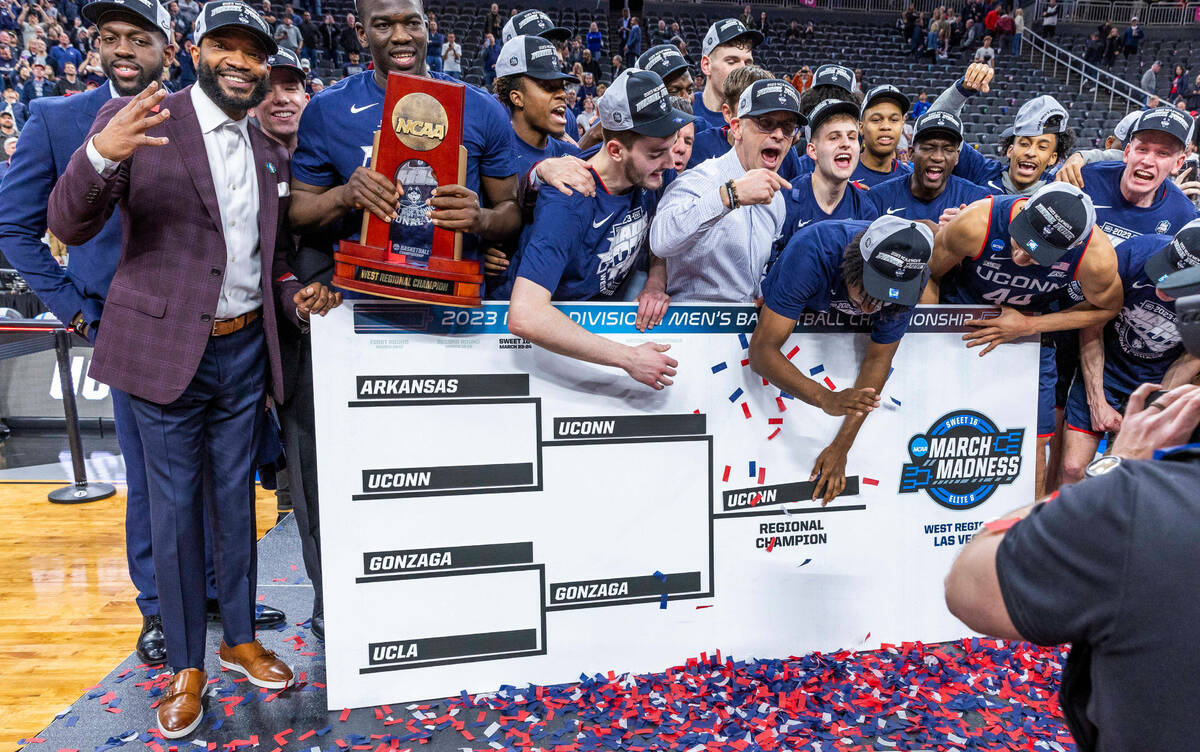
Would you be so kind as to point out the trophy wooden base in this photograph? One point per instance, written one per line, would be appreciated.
(444, 281)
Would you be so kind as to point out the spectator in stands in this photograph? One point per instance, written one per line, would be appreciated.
(8, 123)
(909, 22)
(728, 44)
(348, 37)
(590, 64)
(279, 114)
(1153, 101)
(1112, 48)
(12, 99)
(310, 35)
(661, 34)
(931, 42)
(8, 66)
(992, 19)
(69, 83)
(489, 54)
(433, 53)
(633, 42)
(189, 10)
(287, 34)
(1018, 30)
(802, 79)
(618, 66)
(184, 68)
(588, 88)
(1005, 28)
(916, 43)
(1050, 19)
(1193, 95)
(1094, 52)
(971, 37)
(452, 57)
(10, 147)
(986, 54)
(676, 34)
(793, 32)
(764, 26)
(1132, 38)
(747, 17)
(623, 27)
(582, 247)
(38, 85)
(716, 250)
(352, 66)
(493, 23)
(65, 52)
(574, 54)
(595, 41)
(1150, 77)
(330, 37)
(1178, 82)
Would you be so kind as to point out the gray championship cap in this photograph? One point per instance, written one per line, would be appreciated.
(1183, 252)
(664, 59)
(896, 254)
(725, 31)
(530, 56)
(534, 23)
(1121, 130)
(1169, 120)
(827, 109)
(885, 92)
(1056, 218)
(938, 123)
(154, 14)
(233, 13)
(770, 95)
(1031, 118)
(832, 74)
(638, 101)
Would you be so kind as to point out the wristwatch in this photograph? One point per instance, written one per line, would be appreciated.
(79, 326)
(1102, 466)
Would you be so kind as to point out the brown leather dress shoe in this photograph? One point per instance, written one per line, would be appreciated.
(182, 707)
(259, 665)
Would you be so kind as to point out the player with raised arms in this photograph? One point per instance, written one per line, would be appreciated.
(1020, 253)
(583, 247)
(875, 269)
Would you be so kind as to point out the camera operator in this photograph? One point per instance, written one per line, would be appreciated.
(1104, 564)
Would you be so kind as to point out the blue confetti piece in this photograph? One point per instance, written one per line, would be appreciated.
(217, 724)
(737, 393)
(816, 369)
(324, 731)
(804, 562)
(662, 602)
(753, 470)
(660, 575)
(72, 720)
(719, 367)
(785, 395)
(745, 342)
(896, 401)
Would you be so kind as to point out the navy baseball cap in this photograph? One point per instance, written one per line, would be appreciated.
(285, 58)
(725, 31)
(154, 14)
(530, 56)
(1056, 218)
(832, 74)
(1170, 120)
(638, 101)
(770, 95)
(896, 253)
(218, 14)
(664, 59)
(827, 109)
(534, 23)
(885, 92)
(1183, 252)
(938, 124)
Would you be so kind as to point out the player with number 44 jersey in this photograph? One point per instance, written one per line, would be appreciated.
(1016, 253)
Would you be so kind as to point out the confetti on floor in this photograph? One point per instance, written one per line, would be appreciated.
(719, 367)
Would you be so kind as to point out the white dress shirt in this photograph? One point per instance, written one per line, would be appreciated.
(713, 253)
(235, 178)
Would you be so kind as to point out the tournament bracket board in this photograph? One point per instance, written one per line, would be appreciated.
(493, 513)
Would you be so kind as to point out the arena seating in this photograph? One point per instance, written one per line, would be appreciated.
(1169, 46)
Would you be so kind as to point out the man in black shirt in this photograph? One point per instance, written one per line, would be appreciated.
(1108, 565)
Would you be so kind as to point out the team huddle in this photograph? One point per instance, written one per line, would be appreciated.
(1069, 244)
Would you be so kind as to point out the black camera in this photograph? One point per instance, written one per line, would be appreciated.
(1184, 287)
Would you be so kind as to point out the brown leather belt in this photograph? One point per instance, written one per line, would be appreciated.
(222, 327)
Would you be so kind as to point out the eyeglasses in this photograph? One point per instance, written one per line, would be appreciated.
(765, 126)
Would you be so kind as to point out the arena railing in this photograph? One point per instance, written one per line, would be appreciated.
(1056, 61)
(1119, 12)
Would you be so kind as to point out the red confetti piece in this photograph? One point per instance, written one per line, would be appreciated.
(774, 433)
(762, 475)
(870, 481)
(771, 545)
(746, 409)
(792, 353)
(775, 421)
(829, 383)
(745, 362)
(345, 715)
(755, 500)
(765, 382)
(999, 526)
(782, 407)
(306, 734)
(725, 475)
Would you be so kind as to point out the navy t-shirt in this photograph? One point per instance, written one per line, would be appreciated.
(528, 156)
(864, 175)
(713, 119)
(1120, 219)
(1142, 342)
(581, 247)
(337, 131)
(895, 196)
(807, 276)
(714, 142)
(803, 209)
(1103, 567)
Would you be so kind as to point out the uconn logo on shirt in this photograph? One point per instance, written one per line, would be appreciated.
(624, 242)
(1148, 330)
(962, 459)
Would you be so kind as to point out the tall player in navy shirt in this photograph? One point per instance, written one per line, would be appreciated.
(727, 45)
(583, 247)
(1140, 346)
(828, 193)
(863, 269)
(1138, 197)
(931, 189)
(1019, 253)
(332, 183)
(881, 123)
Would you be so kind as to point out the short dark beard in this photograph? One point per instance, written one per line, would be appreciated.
(206, 78)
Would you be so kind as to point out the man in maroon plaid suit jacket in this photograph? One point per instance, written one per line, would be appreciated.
(189, 327)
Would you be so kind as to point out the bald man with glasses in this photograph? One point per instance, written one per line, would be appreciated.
(717, 222)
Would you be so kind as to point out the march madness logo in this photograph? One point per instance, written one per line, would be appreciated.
(962, 459)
